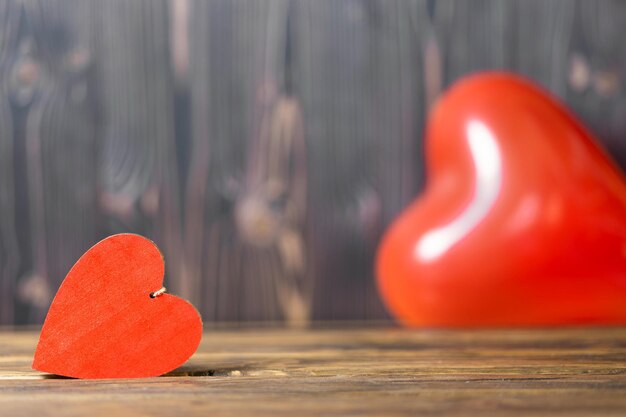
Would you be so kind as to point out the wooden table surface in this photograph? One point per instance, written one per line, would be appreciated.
(343, 371)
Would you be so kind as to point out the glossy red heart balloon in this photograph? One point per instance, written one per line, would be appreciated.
(103, 322)
(522, 221)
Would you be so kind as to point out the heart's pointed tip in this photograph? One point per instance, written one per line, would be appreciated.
(40, 366)
(37, 361)
(35, 364)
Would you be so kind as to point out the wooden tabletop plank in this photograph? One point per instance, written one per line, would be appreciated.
(382, 371)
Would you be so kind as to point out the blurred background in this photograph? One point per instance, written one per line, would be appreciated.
(263, 145)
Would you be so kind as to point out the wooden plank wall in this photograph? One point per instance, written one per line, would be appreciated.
(264, 145)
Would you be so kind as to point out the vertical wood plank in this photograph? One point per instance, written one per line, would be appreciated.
(244, 213)
(9, 250)
(542, 31)
(597, 72)
(473, 35)
(357, 71)
(60, 140)
(138, 171)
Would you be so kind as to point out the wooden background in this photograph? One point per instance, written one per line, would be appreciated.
(264, 145)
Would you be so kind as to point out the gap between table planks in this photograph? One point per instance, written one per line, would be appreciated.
(346, 371)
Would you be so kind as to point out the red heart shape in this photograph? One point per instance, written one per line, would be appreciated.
(522, 221)
(103, 323)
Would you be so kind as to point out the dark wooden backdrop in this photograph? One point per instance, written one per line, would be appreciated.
(264, 145)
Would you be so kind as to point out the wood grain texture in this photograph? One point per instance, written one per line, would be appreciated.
(9, 251)
(342, 371)
(264, 146)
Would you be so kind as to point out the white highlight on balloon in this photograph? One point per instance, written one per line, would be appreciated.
(488, 173)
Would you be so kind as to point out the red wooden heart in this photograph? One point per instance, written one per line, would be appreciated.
(103, 323)
(523, 219)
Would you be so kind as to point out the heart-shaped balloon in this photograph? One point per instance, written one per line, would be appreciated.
(522, 221)
(106, 322)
